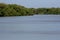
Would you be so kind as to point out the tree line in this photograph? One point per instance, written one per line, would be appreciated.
(18, 10)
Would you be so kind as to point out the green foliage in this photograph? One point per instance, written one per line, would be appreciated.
(18, 10)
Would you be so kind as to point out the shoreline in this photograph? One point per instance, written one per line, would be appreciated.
(30, 15)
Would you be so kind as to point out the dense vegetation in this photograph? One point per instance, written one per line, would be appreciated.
(18, 10)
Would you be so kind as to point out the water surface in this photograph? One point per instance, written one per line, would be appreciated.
(37, 27)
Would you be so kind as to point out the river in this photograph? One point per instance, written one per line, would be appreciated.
(37, 27)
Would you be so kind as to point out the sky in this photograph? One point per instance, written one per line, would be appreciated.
(34, 3)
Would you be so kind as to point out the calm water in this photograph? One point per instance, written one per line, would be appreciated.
(37, 27)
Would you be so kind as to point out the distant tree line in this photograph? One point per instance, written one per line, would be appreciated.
(18, 10)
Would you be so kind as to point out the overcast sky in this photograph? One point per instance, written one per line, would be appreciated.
(34, 3)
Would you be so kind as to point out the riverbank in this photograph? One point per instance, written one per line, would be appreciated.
(18, 10)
